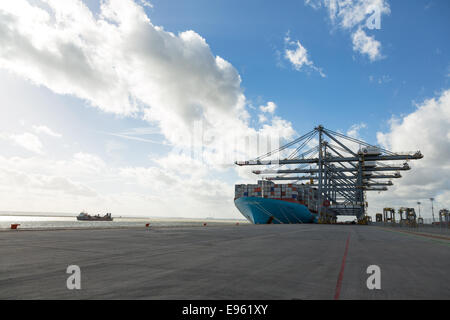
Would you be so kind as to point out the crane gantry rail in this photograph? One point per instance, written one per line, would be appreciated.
(341, 167)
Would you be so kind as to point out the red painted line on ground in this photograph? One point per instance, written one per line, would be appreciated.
(341, 273)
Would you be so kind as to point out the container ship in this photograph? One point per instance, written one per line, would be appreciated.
(83, 216)
(267, 202)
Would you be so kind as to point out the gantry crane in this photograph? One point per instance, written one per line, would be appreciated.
(342, 168)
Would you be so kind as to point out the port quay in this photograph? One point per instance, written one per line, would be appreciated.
(226, 263)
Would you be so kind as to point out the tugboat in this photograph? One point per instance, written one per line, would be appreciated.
(83, 216)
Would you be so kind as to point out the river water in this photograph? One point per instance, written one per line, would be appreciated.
(70, 222)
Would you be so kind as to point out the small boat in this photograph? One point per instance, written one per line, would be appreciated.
(83, 216)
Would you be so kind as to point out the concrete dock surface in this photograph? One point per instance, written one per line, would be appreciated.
(224, 262)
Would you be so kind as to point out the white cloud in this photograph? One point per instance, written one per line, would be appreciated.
(120, 62)
(426, 129)
(350, 13)
(381, 80)
(182, 165)
(135, 138)
(298, 56)
(25, 140)
(39, 183)
(278, 127)
(354, 130)
(314, 3)
(88, 163)
(112, 147)
(366, 45)
(46, 130)
(178, 186)
(146, 3)
(117, 60)
(270, 107)
(353, 16)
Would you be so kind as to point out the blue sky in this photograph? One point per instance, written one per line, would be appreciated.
(96, 100)
(249, 34)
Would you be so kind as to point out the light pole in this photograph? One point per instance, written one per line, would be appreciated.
(432, 208)
(418, 202)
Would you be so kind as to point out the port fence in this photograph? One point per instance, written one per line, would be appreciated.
(428, 226)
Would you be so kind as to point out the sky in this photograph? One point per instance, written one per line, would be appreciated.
(140, 108)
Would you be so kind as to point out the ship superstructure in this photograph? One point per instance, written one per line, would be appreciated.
(83, 216)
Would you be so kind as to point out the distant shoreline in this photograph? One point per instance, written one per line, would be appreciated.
(70, 215)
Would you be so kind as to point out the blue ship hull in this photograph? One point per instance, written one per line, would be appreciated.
(266, 210)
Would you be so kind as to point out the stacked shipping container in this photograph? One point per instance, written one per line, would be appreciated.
(302, 193)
